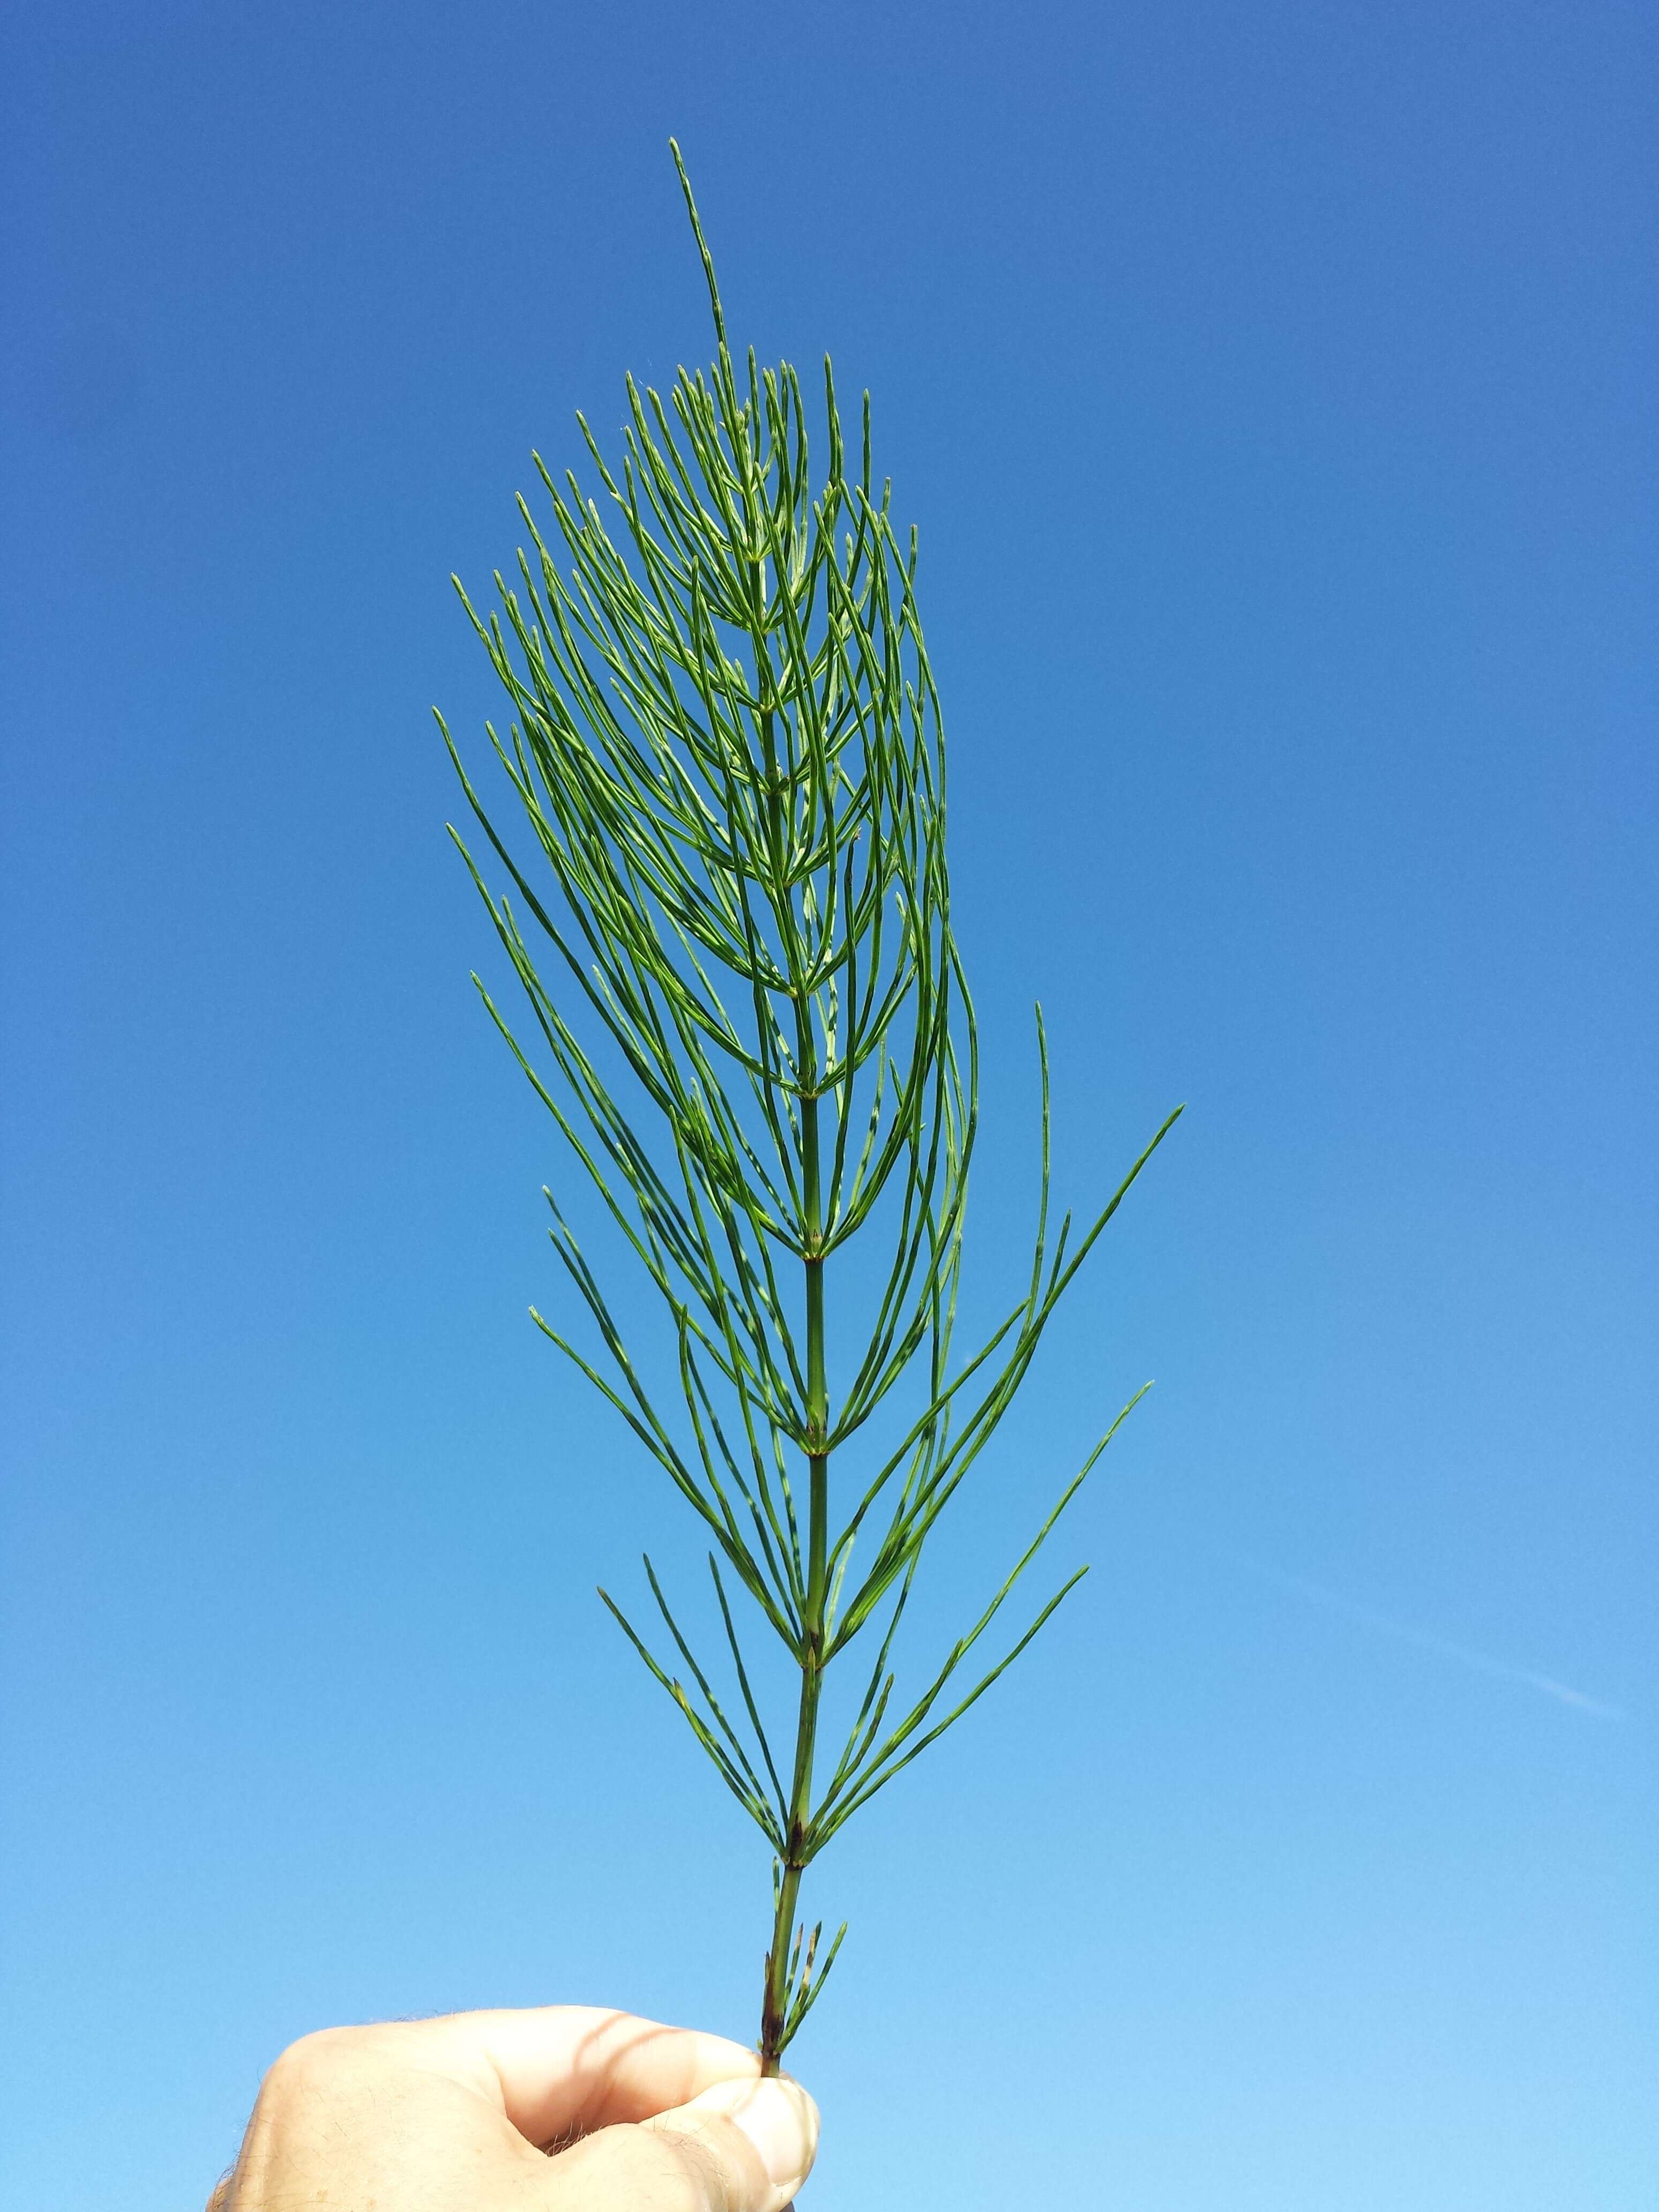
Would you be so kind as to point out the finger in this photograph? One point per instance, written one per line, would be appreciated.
(562, 2069)
(738, 2147)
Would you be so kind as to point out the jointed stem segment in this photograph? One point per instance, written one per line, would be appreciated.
(774, 2003)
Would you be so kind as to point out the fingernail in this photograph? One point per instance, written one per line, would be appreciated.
(781, 2121)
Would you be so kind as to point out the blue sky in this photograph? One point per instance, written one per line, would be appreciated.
(1273, 390)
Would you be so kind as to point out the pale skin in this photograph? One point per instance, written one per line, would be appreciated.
(460, 2114)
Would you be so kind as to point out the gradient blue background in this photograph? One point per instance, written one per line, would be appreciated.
(1273, 386)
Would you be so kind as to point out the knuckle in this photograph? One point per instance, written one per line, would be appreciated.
(317, 2056)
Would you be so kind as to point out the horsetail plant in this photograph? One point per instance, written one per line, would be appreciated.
(725, 743)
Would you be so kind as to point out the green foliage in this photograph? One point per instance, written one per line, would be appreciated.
(725, 743)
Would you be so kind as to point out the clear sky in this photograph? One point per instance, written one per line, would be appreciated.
(1273, 389)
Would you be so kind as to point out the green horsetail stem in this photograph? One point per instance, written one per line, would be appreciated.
(725, 745)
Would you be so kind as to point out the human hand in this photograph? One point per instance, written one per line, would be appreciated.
(460, 2114)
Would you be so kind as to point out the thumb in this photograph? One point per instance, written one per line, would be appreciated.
(772, 2125)
(742, 2145)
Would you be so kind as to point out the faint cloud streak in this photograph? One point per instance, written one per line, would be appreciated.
(1425, 1640)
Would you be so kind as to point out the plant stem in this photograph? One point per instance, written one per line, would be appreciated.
(774, 1999)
